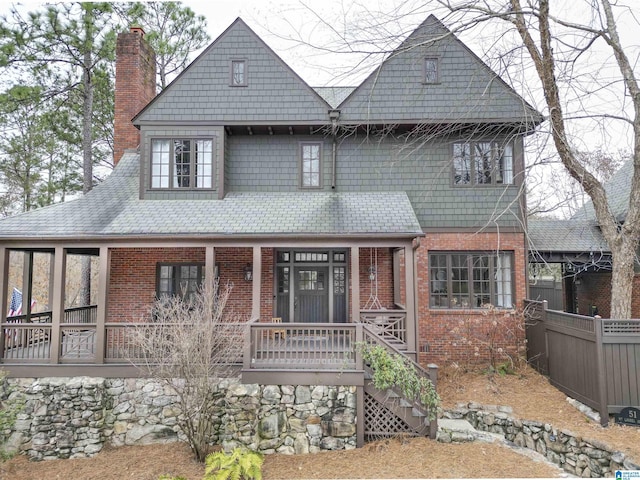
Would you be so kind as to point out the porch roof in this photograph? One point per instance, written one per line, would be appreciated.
(572, 240)
(114, 209)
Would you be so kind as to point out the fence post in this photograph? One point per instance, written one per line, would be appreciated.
(600, 372)
(358, 352)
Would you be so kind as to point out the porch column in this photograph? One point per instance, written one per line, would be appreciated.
(57, 309)
(27, 284)
(101, 314)
(4, 281)
(210, 267)
(355, 284)
(410, 287)
(257, 281)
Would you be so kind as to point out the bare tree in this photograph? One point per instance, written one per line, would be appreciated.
(192, 343)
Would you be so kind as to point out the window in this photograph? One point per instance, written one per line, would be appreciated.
(310, 165)
(179, 279)
(482, 163)
(181, 163)
(470, 280)
(431, 70)
(238, 73)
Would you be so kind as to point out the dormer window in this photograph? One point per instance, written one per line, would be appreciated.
(238, 73)
(431, 70)
(181, 163)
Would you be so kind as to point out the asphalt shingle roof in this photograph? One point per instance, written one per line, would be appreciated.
(550, 235)
(114, 209)
(334, 96)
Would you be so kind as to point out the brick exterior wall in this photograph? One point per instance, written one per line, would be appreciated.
(595, 289)
(465, 336)
(135, 87)
(445, 336)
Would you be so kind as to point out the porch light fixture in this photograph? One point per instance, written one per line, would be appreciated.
(372, 273)
(248, 272)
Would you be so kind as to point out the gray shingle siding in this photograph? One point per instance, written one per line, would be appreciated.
(202, 92)
(468, 91)
(270, 164)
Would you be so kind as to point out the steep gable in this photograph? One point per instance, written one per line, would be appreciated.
(466, 90)
(202, 92)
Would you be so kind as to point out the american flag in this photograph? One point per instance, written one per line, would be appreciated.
(15, 307)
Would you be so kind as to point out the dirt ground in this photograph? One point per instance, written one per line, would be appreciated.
(529, 394)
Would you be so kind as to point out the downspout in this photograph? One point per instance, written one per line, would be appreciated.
(334, 115)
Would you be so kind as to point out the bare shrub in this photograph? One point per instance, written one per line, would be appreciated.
(192, 343)
(496, 337)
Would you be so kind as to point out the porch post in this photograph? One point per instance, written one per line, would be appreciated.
(210, 267)
(4, 281)
(27, 284)
(101, 314)
(57, 310)
(410, 281)
(257, 281)
(355, 284)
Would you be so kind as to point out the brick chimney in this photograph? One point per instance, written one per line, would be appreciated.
(135, 87)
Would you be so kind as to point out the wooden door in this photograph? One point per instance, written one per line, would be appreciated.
(311, 303)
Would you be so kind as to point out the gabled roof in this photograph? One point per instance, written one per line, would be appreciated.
(468, 90)
(201, 93)
(114, 210)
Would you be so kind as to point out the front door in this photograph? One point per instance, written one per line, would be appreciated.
(311, 302)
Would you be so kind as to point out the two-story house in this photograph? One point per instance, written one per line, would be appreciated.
(397, 204)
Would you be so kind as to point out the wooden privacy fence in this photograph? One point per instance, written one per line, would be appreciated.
(594, 360)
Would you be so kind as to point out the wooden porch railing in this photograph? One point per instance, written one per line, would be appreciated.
(27, 338)
(300, 346)
(388, 324)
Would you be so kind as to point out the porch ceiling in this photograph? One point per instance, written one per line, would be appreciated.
(113, 209)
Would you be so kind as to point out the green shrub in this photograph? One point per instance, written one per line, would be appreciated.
(239, 464)
(395, 370)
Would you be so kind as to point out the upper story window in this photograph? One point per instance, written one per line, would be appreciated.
(238, 73)
(482, 163)
(310, 165)
(181, 163)
(470, 280)
(431, 70)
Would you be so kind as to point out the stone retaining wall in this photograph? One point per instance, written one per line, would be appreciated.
(76, 417)
(575, 455)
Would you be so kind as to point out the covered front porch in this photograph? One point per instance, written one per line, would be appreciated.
(302, 300)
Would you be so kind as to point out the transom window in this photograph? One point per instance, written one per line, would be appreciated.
(470, 280)
(179, 279)
(238, 73)
(310, 165)
(181, 163)
(431, 70)
(482, 163)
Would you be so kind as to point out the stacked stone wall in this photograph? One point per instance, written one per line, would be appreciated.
(77, 417)
(575, 455)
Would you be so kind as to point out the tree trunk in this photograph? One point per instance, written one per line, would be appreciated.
(622, 277)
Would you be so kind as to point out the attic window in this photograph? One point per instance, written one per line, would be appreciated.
(431, 70)
(238, 73)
